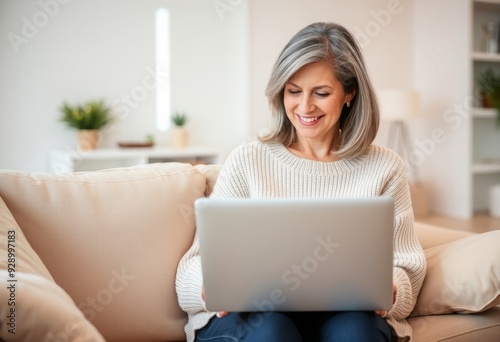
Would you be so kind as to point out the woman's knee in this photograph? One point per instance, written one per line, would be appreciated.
(250, 327)
(356, 326)
(270, 326)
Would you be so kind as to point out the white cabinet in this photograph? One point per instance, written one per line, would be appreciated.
(62, 161)
(450, 51)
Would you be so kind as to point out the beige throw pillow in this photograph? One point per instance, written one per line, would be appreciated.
(463, 276)
(24, 257)
(32, 306)
(42, 312)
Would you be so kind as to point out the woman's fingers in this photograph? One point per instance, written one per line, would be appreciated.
(221, 314)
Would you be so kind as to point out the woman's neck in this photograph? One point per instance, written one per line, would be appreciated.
(313, 150)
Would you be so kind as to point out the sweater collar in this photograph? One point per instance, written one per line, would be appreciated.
(303, 165)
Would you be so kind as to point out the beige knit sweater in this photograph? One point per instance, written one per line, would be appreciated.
(270, 170)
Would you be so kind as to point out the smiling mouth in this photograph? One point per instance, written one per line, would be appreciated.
(309, 119)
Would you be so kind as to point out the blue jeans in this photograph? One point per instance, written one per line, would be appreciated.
(296, 326)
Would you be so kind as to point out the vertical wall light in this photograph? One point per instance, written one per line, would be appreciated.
(162, 56)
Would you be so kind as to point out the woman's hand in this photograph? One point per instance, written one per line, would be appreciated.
(219, 314)
(383, 313)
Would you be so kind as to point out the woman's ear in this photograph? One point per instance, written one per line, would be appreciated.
(350, 96)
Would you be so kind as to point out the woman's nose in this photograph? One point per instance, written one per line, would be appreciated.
(306, 104)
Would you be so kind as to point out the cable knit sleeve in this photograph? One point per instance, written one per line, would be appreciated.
(409, 259)
(189, 280)
(230, 183)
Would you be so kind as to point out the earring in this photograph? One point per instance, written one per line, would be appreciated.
(348, 103)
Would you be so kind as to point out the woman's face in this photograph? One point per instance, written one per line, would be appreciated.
(314, 99)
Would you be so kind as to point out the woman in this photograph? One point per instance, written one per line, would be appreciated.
(326, 118)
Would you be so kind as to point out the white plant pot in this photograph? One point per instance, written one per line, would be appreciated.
(88, 139)
(179, 137)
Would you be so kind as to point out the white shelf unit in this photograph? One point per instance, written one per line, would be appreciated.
(485, 156)
(479, 56)
(63, 161)
(449, 53)
(485, 113)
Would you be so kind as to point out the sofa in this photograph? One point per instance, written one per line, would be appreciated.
(92, 256)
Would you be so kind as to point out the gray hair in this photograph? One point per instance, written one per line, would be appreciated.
(332, 44)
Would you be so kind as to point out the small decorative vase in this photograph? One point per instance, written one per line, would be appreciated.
(491, 37)
(179, 137)
(88, 139)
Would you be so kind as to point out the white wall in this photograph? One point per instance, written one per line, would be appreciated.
(442, 72)
(221, 59)
(76, 50)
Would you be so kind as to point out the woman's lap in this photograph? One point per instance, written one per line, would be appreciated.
(296, 326)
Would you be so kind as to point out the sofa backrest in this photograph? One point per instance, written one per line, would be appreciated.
(112, 240)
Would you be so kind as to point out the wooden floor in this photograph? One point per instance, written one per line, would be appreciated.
(480, 223)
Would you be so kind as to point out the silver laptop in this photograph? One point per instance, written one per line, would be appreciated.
(296, 254)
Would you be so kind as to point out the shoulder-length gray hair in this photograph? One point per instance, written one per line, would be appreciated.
(333, 44)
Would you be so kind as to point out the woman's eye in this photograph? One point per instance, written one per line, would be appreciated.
(323, 94)
(293, 91)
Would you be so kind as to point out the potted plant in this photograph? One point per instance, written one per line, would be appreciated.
(179, 136)
(489, 90)
(88, 119)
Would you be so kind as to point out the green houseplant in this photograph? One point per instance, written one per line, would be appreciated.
(88, 119)
(179, 135)
(92, 114)
(179, 119)
(488, 83)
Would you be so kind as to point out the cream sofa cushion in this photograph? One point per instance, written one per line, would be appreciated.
(117, 262)
(43, 312)
(462, 276)
(484, 327)
(211, 172)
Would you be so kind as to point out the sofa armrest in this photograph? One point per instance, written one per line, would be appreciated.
(430, 236)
